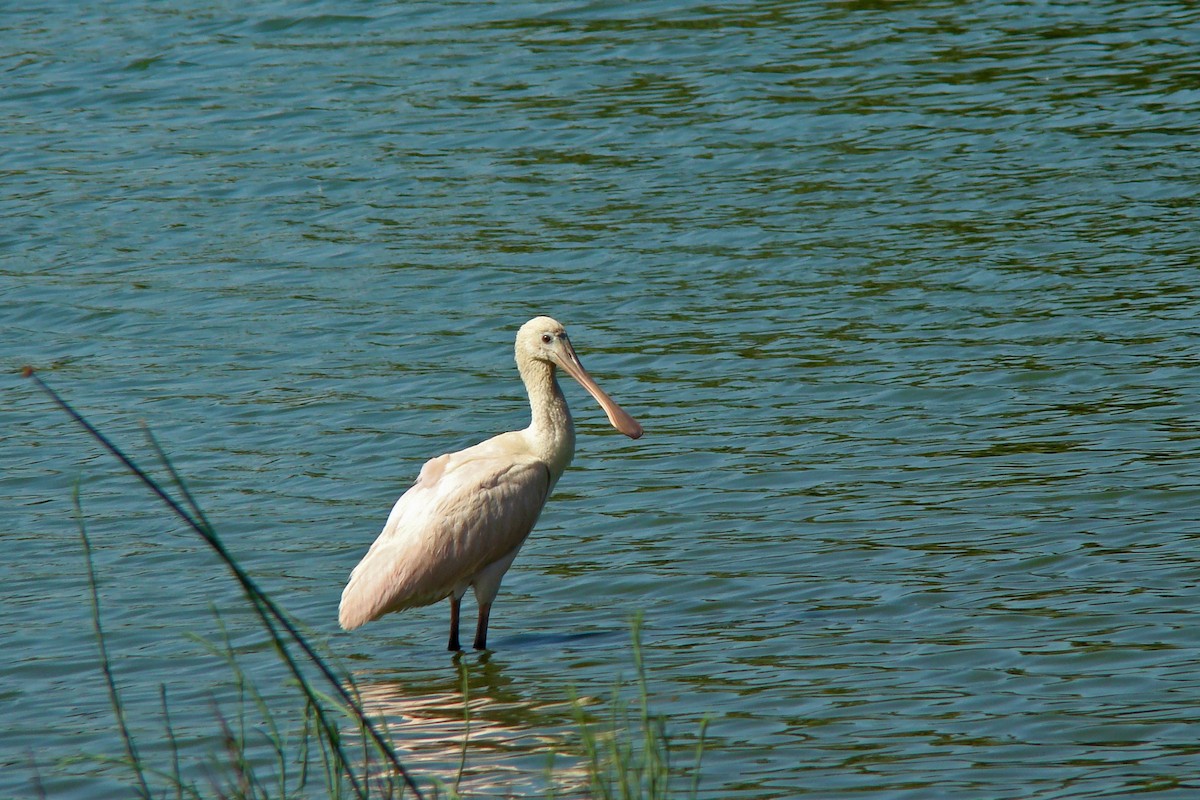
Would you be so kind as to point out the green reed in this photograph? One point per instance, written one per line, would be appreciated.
(629, 755)
(292, 647)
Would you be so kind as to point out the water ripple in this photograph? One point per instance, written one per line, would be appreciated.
(904, 297)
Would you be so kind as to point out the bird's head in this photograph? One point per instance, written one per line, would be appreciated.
(544, 340)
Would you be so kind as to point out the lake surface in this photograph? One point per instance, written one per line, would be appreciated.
(904, 294)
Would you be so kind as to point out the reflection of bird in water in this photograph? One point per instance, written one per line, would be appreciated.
(464, 520)
(509, 740)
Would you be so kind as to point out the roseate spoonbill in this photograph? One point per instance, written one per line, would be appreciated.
(461, 524)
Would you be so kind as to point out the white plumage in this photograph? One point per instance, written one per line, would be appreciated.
(466, 517)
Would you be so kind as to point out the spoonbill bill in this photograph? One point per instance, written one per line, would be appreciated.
(464, 520)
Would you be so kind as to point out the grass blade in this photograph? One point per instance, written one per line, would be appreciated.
(271, 615)
(114, 695)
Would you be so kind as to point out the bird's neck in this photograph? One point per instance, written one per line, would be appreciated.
(551, 430)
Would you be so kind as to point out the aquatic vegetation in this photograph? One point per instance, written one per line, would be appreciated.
(629, 756)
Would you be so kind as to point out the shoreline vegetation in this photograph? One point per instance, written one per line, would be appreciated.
(329, 744)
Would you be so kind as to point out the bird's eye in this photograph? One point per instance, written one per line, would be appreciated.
(547, 338)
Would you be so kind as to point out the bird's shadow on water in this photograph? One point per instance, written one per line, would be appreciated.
(485, 674)
(479, 713)
(424, 706)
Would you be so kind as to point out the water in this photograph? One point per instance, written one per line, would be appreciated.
(904, 295)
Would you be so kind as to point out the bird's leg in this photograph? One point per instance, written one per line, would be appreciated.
(455, 602)
(481, 628)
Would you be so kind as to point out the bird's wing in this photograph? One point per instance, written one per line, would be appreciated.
(465, 511)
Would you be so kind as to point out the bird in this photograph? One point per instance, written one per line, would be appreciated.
(463, 522)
